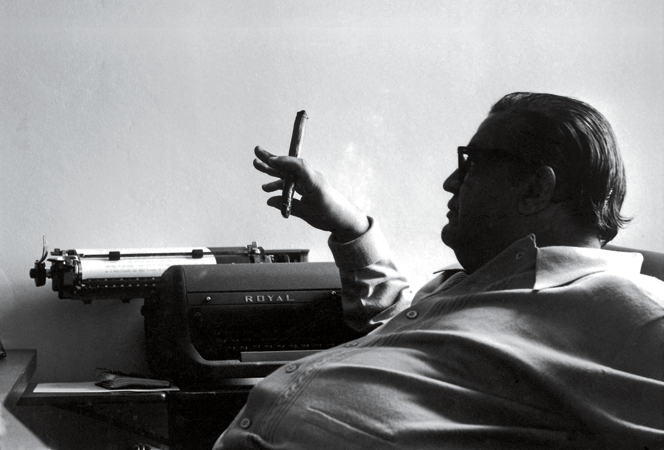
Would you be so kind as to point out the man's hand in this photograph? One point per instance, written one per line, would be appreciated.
(320, 205)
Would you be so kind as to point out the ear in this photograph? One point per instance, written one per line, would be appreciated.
(538, 190)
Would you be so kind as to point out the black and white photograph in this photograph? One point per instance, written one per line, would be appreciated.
(332, 224)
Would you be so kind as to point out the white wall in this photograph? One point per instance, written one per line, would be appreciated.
(127, 123)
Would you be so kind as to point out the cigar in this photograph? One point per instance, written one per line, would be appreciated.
(295, 147)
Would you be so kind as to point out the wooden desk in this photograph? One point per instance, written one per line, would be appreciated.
(176, 420)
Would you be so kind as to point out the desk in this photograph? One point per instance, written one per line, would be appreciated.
(16, 369)
(45, 427)
(175, 420)
(178, 420)
(142, 414)
(197, 418)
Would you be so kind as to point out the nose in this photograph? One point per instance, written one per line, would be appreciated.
(452, 184)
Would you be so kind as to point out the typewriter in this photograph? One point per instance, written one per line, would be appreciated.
(131, 273)
(211, 314)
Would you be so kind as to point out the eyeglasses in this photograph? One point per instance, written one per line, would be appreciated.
(466, 155)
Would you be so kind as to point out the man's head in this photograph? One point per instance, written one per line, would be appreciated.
(555, 172)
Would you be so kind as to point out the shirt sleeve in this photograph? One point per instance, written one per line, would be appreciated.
(373, 290)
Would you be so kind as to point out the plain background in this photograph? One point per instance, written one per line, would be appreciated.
(132, 124)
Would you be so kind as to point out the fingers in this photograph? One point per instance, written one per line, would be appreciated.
(273, 186)
(274, 202)
(276, 166)
(309, 183)
(280, 166)
(262, 154)
(262, 163)
(272, 164)
(296, 205)
(262, 167)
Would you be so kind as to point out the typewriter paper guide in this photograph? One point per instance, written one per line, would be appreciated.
(93, 266)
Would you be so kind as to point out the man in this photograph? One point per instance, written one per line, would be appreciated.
(543, 341)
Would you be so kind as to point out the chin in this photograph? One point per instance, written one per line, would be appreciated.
(447, 235)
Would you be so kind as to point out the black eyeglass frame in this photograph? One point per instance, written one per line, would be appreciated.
(495, 152)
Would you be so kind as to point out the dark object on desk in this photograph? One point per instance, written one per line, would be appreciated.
(110, 379)
(126, 274)
(205, 324)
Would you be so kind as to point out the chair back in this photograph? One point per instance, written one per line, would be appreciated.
(653, 262)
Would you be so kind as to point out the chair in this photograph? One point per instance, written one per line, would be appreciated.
(653, 262)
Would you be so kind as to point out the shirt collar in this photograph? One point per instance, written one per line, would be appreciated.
(552, 266)
(557, 266)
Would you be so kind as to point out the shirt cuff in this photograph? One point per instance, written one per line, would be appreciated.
(359, 253)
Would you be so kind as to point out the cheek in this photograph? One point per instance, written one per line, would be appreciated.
(484, 207)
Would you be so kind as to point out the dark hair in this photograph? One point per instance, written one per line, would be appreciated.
(579, 144)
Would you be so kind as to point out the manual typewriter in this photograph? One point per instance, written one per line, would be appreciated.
(212, 314)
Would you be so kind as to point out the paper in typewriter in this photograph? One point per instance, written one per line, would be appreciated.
(150, 262)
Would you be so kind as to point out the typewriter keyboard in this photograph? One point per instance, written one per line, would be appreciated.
(232, 337)
(225, 347)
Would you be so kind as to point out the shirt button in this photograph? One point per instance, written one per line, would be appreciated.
(411, 314)
(291, 368)
(519, 255)
(244, 423)
(351, 344)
